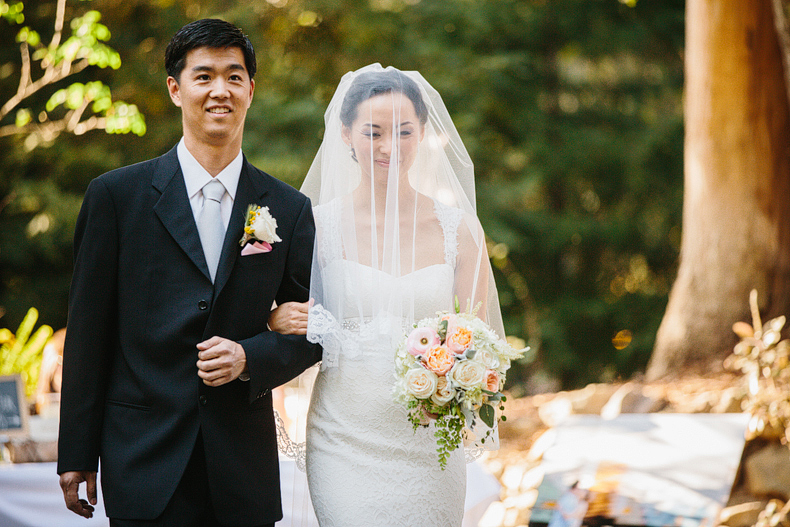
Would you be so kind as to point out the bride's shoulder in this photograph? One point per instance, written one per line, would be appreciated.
(326, 211)
(465, 224)
(450, 215)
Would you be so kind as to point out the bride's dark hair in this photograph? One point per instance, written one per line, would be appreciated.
(370, 84)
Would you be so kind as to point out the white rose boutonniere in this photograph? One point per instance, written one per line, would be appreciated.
(260, 229)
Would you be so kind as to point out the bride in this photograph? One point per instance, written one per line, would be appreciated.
(397, 239)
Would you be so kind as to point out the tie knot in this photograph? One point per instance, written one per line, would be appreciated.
(214, 190)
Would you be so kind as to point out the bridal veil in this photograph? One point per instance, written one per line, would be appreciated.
(385, 205)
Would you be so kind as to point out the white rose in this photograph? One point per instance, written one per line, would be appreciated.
(421, 382)
(444, 392)
(468, 374)
(487, 358)
(264, 228)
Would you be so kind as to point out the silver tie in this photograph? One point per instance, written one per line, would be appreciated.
(210, 225)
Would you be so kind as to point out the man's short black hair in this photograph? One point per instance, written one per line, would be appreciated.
(208, 32)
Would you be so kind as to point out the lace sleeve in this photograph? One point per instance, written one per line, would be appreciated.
(325, 330)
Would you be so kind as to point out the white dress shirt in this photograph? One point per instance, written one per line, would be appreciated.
(196, 177)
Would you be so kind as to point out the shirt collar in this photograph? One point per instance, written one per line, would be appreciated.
(196, 177)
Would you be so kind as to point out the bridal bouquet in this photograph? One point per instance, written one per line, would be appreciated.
(451, 368)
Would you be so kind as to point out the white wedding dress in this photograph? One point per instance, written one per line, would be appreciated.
(366, 466)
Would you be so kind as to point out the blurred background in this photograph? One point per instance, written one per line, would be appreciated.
(572, 111)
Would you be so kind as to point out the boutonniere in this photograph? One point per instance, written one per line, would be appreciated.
(260, 229)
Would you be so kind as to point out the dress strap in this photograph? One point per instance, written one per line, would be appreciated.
(327, 221)
(449, 218)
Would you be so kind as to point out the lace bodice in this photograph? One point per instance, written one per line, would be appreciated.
(378, 304)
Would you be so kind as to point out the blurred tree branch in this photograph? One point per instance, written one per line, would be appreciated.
(781, 12)
(60, 61)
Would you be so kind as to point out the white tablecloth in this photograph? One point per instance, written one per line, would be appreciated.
(31, 497)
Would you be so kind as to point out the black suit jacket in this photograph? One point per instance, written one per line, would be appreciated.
(141, 299)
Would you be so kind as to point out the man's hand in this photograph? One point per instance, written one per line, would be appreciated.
(290, 318)
(70, 484)
(220, 361)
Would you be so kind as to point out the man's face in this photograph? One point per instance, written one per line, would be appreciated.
(214, 93)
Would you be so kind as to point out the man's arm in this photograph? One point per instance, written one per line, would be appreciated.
(273, 359)
(89, 334)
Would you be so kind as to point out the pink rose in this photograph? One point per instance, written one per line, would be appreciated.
(492, 381)
(421, 340)
(439, 360)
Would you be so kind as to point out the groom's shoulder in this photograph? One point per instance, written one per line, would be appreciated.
(129, 176)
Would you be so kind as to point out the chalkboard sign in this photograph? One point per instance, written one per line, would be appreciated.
(13, 408)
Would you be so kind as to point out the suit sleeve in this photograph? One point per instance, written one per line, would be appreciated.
(90, 331)
(274, 359)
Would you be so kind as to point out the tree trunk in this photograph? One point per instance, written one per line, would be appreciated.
(736, 213)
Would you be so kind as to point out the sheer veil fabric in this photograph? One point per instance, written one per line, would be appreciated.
(397, 240)
(383, 209)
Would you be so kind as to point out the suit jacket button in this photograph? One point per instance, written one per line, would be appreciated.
(203, 400)
(203, 305)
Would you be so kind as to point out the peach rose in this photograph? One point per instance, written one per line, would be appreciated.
(420, 340)
(492, 381)
(444, 392)
(421, 383)
(468, 374)
(439, 360)
(458, 339)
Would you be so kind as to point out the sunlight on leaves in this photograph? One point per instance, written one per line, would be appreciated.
(23, 117)
(12, 12)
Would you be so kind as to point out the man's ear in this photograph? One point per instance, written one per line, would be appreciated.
(252, 92)
(174, 90)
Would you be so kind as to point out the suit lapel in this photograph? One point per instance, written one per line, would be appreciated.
(250, 191)
(174, 210)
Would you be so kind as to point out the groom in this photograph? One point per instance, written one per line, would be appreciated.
(168, 364)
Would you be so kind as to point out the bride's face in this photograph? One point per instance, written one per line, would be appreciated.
(385, 134)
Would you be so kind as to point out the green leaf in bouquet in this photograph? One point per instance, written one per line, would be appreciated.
(487, 414)
(441, 330)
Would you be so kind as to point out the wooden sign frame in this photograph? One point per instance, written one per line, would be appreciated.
(13, 407)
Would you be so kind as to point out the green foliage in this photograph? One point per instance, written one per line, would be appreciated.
(12, 12)
(487, 415)
(85, 43)
(449, 424)
(59, 61)
(22, 352)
